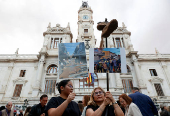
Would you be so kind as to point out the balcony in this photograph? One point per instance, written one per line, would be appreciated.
(86, 35)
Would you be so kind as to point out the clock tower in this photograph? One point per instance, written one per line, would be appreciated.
(85, 26)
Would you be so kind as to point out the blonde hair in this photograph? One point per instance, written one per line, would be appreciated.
(92, 102)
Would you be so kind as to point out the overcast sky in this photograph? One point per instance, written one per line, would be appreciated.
(22, 22)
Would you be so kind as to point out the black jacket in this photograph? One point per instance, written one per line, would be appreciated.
(36, 110)
(165, 113)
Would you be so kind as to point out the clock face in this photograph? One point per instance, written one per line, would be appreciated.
(85, 17)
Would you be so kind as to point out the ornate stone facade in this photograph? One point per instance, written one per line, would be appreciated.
(36, 72)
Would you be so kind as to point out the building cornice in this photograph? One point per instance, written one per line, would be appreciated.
(154, 57)
(18, 57)
(129, 55)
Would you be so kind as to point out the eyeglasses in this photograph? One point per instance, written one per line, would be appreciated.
(70, 86)
(122, 102)
(100, 93)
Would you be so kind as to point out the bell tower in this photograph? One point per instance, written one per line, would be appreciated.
(85, 26)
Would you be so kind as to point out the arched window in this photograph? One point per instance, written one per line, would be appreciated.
(52, 69)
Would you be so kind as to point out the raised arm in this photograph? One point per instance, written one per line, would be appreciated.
(118, 111)
(99, 111)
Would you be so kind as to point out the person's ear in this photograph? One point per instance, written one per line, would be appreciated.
(61, 88)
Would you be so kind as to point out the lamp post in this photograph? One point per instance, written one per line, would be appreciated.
(87, 44)
(25, 104)
(155, 103)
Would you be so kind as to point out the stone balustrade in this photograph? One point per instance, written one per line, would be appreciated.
(18, 56)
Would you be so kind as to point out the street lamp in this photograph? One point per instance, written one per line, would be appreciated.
(155, 103)
(25, 104)
(87, 44)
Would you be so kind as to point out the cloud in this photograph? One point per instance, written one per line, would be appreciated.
(23, 22)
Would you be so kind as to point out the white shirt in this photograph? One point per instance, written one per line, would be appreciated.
(132, 110)
(84, 111)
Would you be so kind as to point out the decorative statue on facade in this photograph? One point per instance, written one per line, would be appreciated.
(84, 4)
(123, 25)
(17, 51)
(107, 28)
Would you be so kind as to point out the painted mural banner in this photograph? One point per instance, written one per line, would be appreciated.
(107, 60)
(72, 60)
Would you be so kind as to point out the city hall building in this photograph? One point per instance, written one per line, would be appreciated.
(28, 76)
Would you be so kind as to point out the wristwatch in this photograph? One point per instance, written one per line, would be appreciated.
(115, 102)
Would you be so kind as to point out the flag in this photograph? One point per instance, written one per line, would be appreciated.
(87, 80)
(92, 76)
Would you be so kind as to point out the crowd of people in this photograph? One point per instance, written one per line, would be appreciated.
(8, 111)
(111, 65)
(100, 103)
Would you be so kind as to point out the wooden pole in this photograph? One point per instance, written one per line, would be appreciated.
(107, 74)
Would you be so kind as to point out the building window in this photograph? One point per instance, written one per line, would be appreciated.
(52, 69)
(85, 30)
(159, 89)
(56, 41)
(153, 72)
(83, 84)
(50, 86)
(127, 85)
(118, 43)
(22, 73)
(17, 90)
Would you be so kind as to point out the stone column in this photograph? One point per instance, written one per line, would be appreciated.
(135, 82)
(37, 85)
(53, 43)
(118, 80)
(6, 81)
(115, 42)
(40, 70)
(139, 78)
(165, 70)
(121, 42)
(112, 81)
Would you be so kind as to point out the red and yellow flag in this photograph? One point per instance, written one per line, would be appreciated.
(90, 77)
(87, 80)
